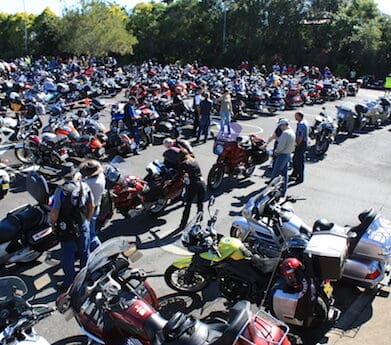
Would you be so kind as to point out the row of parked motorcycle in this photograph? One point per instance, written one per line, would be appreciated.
(272, 258)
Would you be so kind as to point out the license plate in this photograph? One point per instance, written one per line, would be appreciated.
(5, 186)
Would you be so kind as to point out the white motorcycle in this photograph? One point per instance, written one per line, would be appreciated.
(18, 316)
(268, 224)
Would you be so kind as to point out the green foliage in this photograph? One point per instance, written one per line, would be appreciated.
(97, 29)
(349, 33)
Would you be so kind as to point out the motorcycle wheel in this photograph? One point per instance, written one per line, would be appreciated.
(158, 206)
(215, 177)
(24, 154)
(123, 212)
(250, 167)
(175, 279)
(321, 147)
(271, 110)
(144, 141)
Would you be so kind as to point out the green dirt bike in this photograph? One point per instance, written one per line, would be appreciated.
(240, 274)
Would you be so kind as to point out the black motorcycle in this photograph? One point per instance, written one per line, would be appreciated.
(25, 232)
(350, 118)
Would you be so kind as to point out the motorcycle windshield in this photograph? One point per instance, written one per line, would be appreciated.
(380, 231)
(101, 256)
(11, 286)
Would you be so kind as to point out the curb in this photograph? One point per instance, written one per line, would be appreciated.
(348, 319)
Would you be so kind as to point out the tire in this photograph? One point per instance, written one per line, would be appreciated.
(215, 177)
(144, 141)
(124, 213)
(250, 167)
(24, 154)
(321, 146)
(271, 110)
(350, 128)
(159, 206)
(199, 282)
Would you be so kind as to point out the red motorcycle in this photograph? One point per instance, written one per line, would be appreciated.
(294, 97)
(237, 155)
(113, 303)
(132, 195)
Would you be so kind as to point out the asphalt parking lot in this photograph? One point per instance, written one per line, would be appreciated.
(353, 176)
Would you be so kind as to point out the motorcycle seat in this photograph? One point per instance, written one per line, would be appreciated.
(9, 228)
(322, 224)
(239, 315)
(366, 218)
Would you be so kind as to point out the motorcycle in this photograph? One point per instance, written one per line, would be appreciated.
(376, 112)
(294, 98)
(300, 298)
(268, 224)
(25, 231)
(18, 316)
(323, 132)
(226, 260)
(18, 128)
(350, 118)
(133, 195)
(275, 101)
(111, 299)
(47, 150)
(5, 179)
(237, 155)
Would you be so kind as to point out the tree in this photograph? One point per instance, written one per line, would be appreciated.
(96, 28)
(46, 33)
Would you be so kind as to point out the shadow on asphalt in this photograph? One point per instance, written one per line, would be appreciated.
(228, 185)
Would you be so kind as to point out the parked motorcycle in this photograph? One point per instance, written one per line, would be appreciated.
(323, 131)
(18, 317)
(240, 274)
(133, 195)
(268, 224)
(5, 179)
(25, 231)
(275, 101)
(110, 299)
(294, 98)
(300, 298)
(376, 112)
(350, 117)
(237, 155)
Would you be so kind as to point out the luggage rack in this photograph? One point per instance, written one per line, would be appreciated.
(271, 322)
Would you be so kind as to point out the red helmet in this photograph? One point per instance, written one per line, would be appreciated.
(293, 272)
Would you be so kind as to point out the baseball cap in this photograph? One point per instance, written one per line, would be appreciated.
(282, 122)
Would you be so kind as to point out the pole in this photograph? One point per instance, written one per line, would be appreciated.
(224, 27)
(25, 28)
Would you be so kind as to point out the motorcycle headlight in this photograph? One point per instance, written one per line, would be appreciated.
(219, 149)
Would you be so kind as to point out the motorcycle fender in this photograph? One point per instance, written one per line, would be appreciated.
(359, 272)
(242, 224)
(183, 262)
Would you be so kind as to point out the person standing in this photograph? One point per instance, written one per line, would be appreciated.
(72, 209)
(205, 110)
(92, 172)
(131, 121)
(196, 107)
(226, 112)
(387, 85)
(300, 149)
(282, 153)
(196, 187)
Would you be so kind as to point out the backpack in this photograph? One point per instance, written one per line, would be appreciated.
(73, 211)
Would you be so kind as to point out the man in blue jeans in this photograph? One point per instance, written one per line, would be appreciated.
(72, 209)
(282, 153)
(131, 121)
(301, 148)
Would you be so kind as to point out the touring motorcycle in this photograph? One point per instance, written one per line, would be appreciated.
(18, 316)
(111, 299)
